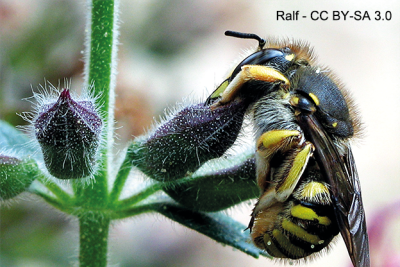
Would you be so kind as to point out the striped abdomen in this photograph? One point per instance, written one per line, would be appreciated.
(302, 225)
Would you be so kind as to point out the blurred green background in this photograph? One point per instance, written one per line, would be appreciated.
(175, 49)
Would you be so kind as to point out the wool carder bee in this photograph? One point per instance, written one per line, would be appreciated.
(303, 120)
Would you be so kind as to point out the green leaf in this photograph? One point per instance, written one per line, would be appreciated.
(217, 190)
(13, 139)
(217, 226)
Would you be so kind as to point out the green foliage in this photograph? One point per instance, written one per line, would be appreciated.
(13, 140)
(214, 225)
(218, 190)
(16, 176)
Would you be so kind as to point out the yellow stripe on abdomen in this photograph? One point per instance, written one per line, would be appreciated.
(305, 213)
(284, 242)
(271, 248)
(300, 232)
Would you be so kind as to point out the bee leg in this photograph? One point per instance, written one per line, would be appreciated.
(267, 145)
(266, 200)
(286, 178)
(249, 73)
(293, 167)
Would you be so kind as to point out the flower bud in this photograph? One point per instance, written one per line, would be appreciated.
(192, 136)
(15, 176)
(219, 190)
(69, 132)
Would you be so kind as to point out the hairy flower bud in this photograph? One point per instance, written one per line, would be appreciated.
(69, 132)
(219, 190)
(15, 176)
(187, 140)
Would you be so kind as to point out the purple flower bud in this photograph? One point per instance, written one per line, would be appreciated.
(191, 137)
(69, 132)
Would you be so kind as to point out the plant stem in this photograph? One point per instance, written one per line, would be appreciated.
(100, 69)
(93, 240)
(120, 180)
(100, 72)
(59, 192)
(143, 194)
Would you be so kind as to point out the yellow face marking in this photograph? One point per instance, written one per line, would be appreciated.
(304, 213)
(285, 243)
(300, 232)
(334, 124)
(314, 98)
(290, 57)
(218, 92)
(271, 248)
(294, 100)
(286, 95)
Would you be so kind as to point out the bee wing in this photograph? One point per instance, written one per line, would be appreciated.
(357, 237)
(341, 174)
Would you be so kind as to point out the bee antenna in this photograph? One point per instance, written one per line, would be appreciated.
(261, 41)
